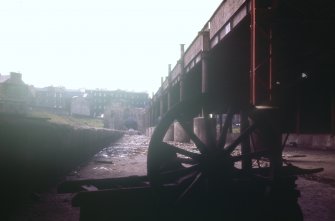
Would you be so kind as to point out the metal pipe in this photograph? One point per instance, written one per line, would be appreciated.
(182, 70)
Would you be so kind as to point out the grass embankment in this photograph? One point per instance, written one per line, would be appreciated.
(34, 151)
(68, 120)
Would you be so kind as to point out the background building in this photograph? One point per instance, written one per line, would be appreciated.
(15, 95)
(55, 99)
(101, 99)
(80, 106)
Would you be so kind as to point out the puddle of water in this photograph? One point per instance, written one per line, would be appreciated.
(102, 168)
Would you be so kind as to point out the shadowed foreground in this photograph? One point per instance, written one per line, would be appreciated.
(35, 153)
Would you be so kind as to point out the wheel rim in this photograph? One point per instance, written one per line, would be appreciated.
(211, 165)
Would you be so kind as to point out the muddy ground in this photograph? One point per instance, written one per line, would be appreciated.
(128, 157)
(317, 190)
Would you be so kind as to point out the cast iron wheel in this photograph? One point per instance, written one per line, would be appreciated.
(209, 181)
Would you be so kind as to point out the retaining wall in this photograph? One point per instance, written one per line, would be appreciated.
(312, 141)
(34, 152)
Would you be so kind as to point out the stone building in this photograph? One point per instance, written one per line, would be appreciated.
(80, 106)
(100, 100)
(121, 110)
(15, 95)
(124, 116)
(55, 99)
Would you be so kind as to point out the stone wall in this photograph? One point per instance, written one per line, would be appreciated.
(122, 117)
(34, 153)
(312, 141)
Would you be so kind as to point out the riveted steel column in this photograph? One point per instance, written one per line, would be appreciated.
(161, 100)
(253, 52)
(245, 145)
(261, 52)
(205, 127)
(182, 72)
(169, 136)
(332, 117)
(169, 88)
(204, 61)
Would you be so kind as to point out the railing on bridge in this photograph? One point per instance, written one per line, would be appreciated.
(156, 96)
(165, 84)
(193, 51)
(226, 17)
(176, 71)
(223, 14)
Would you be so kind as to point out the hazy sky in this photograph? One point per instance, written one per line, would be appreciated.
(110, 44)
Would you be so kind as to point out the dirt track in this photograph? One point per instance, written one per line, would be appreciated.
(128, 157)
(317, 190)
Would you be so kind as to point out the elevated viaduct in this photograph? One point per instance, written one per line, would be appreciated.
(257, 52)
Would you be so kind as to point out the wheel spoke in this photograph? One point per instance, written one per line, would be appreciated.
(223, 135)
(249, 155)
(188, 190)
(209, 131)
(285, 140)
(202, 174)
(178, 174)
(194, 156)
(198, 143)
(186, 160)
(181, 171)
(243, 136)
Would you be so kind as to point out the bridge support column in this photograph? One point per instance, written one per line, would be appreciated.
(169, 136)
(169, 89)
(181, 86)
(245, 145)
(204, 71)
(332, 117)
(152, 115)
(199, 128)
(179, 133)
(149, 131)
(161, 101)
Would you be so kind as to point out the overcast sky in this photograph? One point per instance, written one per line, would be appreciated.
(106, 44)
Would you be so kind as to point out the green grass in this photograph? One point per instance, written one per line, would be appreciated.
(68, 120)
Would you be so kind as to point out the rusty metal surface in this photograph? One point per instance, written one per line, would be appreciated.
(176, 71)
(194, 49)
(223, 14)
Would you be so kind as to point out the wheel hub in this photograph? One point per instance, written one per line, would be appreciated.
(216, 164)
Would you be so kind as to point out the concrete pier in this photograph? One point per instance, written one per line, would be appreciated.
(169, 136)
(149, 131)
(179, 133)
(200, 131)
